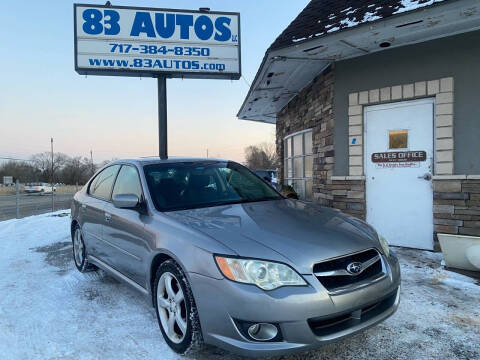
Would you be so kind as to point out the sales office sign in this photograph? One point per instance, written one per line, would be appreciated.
(131, 41)
(399, 159)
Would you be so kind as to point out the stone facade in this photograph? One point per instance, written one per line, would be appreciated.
(456, 208)
(349, 195)
(312, 109)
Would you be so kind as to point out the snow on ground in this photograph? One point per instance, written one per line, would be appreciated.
(48, 310)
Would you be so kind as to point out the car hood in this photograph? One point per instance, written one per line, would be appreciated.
(289, 231)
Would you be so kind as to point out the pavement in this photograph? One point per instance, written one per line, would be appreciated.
(32, 204)
(48, 310)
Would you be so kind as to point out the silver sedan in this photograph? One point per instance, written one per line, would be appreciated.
(228, 261)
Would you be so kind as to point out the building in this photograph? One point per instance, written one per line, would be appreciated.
(377, 112)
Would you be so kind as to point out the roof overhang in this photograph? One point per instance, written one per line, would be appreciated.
(285, 72)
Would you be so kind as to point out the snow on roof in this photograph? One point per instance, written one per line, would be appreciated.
(323, 17)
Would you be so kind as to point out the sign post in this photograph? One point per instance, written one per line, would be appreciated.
(162, 117)
(158, 43)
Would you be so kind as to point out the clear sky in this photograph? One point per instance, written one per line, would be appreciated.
(42, 96)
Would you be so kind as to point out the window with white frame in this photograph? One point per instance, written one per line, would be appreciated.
(298, 163)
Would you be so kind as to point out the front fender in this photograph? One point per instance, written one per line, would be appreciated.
(192, 250)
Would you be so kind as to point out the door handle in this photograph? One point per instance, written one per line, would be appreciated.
(426, 177)
(108, 217)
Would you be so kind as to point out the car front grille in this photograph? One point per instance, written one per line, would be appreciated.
(325, 326)
(334, 276)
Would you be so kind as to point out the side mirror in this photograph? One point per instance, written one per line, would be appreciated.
(126, 201)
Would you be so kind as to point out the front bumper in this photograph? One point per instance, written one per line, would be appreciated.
(308, 316)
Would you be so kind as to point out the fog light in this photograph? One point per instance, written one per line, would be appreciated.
(262, 332)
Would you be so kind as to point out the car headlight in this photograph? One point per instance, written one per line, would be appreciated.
(384, 245)
(265, 274)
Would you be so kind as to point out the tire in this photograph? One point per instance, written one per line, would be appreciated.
(80, 252)
(182, 339)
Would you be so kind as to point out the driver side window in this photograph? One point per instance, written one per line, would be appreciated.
(101, 186)
(128, 182)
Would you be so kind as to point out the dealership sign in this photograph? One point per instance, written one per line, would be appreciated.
(131, 41)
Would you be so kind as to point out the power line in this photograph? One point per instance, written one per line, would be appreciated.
(15, 159)
(246, 82)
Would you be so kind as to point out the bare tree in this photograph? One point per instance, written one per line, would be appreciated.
(21, 170)
(75, 171)
(261, 156)
(67, 170)
(43, 162)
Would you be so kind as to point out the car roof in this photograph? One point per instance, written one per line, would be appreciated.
(171, 160)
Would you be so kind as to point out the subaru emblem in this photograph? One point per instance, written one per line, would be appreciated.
(354, 268)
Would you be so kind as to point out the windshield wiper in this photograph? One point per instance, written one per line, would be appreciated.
(222, 203)
(267, 198)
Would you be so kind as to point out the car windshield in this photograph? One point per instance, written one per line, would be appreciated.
(190, 185)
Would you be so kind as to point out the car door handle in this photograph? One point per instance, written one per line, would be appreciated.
(108, 217)
(426, 177)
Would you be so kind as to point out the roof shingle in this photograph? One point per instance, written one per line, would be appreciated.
(322, 17)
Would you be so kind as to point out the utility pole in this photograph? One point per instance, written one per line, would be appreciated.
(53, 200)
(91, 162)
(207, 153)
(17, 192)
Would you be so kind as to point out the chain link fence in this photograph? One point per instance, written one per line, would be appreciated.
(15, 203)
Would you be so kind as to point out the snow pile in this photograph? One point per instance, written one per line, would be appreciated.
(48, 310)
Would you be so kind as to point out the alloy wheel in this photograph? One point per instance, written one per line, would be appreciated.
(171, 307)
(78, 248)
